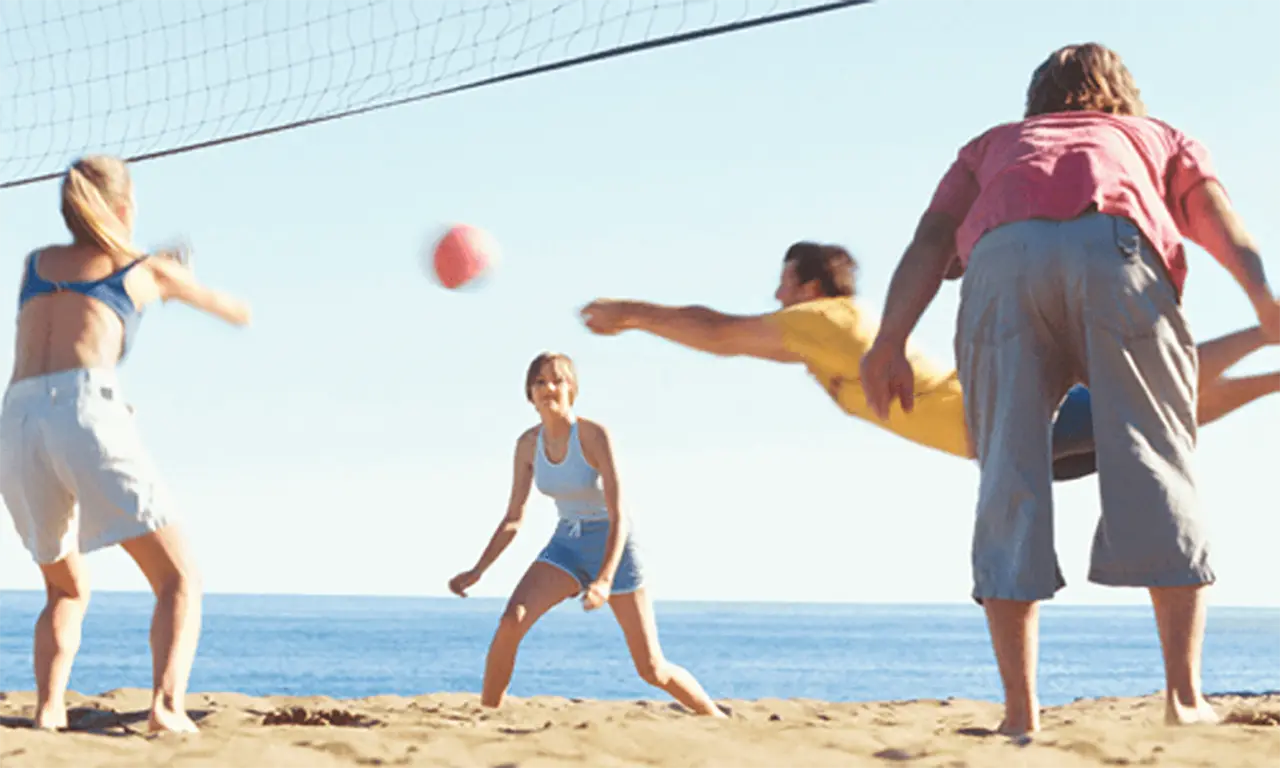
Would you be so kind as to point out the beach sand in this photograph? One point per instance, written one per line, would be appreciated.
(452, 729)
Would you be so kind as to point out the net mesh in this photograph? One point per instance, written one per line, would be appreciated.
(147, 78)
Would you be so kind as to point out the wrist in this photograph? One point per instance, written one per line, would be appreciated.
(635, 315)
(890, 337)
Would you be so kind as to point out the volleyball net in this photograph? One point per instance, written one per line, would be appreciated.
(144, 79)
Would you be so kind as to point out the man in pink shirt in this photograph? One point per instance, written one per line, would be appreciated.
(1068, 228)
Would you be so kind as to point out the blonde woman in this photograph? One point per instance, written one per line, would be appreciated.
(591, 552)
(73, 471)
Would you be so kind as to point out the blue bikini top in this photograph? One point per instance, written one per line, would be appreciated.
(108, 290)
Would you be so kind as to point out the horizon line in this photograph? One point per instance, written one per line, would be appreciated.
(686, 600)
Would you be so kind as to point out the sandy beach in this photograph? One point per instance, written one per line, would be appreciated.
(452, 730)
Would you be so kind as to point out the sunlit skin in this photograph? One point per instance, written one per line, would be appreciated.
(68, 331)
(717, 333)
(552, 394)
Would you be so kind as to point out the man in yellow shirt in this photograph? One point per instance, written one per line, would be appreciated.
(822, 326)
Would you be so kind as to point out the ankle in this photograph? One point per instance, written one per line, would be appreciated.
(1023, 713)
(1183, 687)
(1188, 697)
(168, 702)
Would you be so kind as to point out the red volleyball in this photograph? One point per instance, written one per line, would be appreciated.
(462, 254)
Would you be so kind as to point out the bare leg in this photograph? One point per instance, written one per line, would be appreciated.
(1221, 396)
(542, 588)
(1217, 355)
(1180, 619)
(634, 612)
(1015, 638)
(175, 625)
(57, 637)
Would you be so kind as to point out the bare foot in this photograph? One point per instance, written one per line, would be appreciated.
(1201, 714)
(1019, 726)
(164, 720)
(51, 717)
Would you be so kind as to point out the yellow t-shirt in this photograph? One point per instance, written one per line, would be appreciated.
(831, 335)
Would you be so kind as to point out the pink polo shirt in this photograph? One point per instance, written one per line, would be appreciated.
(1053, 166)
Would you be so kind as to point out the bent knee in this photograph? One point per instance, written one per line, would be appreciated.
(66, 580)
(515, 620)
(653, 670)
(69, 593)
(180, 583)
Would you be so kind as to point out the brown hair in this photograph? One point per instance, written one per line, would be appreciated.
(92, 188)
(832, 266)
(1088, 77)
(535, 368)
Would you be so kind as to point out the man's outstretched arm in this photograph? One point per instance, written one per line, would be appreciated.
(700, 328)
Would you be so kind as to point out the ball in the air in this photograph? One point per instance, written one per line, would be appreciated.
(462, 254)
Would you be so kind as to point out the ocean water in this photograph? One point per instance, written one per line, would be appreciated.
(362, 646)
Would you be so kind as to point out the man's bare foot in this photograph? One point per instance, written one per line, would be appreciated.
(1178, 714)
(164, 720)
(51, 717)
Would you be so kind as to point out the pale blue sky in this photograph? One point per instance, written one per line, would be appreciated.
(358, 438)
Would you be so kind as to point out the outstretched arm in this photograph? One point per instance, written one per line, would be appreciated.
(521, 483)
(176, 281)
(1223, 395)
(1220, 395)
(700, 328)
(1217, 355)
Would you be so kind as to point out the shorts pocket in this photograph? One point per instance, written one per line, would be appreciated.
(1127, 291)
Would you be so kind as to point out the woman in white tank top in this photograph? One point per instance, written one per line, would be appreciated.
(591, 552)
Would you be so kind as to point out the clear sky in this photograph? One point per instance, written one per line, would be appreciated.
(358, 437)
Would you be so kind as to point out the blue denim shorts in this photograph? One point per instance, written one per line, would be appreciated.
(578, 550)
(1074, 452)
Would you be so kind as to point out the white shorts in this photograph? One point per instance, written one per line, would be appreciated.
(73, 471)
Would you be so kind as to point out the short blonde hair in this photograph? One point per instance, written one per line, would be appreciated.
(535, 368)
(92, 188)
(1087, 77)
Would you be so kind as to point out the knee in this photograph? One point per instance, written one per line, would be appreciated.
(74, 595)
(653, 670)
(514, 622)
(182, 583)
(66, 587)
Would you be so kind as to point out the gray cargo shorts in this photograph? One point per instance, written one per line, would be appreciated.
(1045, 305)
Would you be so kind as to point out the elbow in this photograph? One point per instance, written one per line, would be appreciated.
(514, 519)
(935, 244)
(955, 270)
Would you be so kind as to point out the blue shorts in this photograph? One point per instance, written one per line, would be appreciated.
(578, 550)
(1074, 453)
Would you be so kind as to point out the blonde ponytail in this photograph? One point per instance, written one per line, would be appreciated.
(91, 190)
